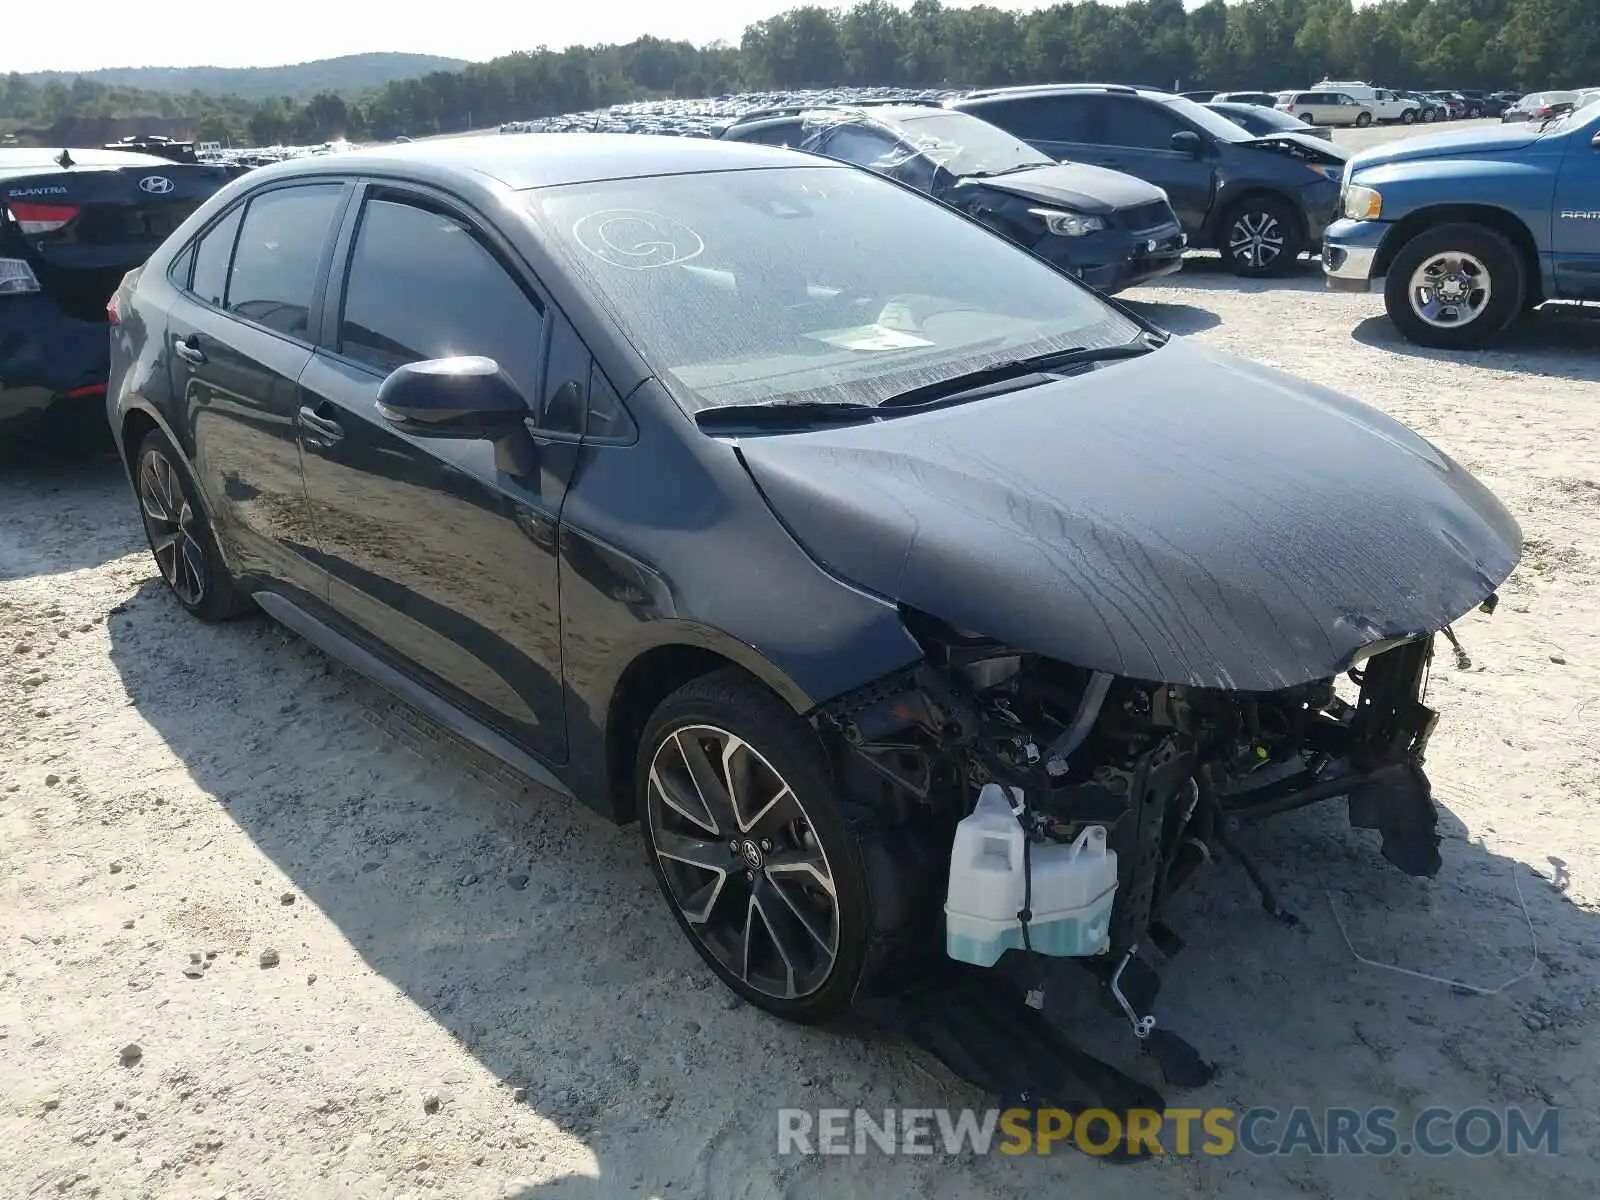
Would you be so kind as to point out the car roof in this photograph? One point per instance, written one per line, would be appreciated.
(1023, 91)
(533, 160)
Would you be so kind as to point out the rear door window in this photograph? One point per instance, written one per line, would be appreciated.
(1044, 118)
(864, 147)
(212, 255)
(1135, 123)
(274, 275)
(422, 285)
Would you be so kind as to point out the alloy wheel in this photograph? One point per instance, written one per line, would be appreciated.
(169, 519)
(742, 862)
(1451, 290)
(1257, 238)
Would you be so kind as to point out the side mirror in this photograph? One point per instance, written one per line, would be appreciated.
(464, 397)
(1187, 141)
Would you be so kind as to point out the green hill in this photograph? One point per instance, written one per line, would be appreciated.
(351, 73)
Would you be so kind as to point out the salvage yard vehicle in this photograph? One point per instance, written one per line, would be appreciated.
(72, 222)
(1328, 108)
(762, 501)
(1109, 229)
(1260, 201)
(1385, 103)
(1470, 229)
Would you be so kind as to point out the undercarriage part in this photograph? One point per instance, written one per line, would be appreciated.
(982, 1030)
(1142, 1023)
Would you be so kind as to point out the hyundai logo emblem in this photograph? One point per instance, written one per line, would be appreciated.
(156, 185)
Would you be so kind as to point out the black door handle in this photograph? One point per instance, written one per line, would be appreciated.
(322, 431)
(189, 350)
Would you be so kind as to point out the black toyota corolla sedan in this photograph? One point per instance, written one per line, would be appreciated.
(761, 500)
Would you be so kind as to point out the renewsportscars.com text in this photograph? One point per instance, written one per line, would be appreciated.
(1259, 1131)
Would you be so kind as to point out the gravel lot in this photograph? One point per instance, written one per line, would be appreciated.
(263, 933)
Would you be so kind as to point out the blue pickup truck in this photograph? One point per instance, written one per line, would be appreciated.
(1469, 230)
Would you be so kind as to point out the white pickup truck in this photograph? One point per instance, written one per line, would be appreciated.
(1385, 104)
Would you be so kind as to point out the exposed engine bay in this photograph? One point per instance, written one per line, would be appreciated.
(1169, 771)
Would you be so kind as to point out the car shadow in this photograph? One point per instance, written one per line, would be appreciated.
(1181, 319)
(1560, 340)
(512, 917)
(54, 501)
(1207, 271)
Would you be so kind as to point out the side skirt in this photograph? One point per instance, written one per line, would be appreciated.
(336, 645)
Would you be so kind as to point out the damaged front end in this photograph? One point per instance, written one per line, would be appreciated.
(1169, 771)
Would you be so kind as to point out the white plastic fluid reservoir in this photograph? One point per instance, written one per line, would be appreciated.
(1074, 887)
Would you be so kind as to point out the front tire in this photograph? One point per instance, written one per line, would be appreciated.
(1408, 117)
(1455, 287)
(180, 536)
(1261, 237)
(757, 861)
(1429, 116)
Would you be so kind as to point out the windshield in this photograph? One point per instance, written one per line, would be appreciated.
(1217, 125)
(815, 283)
(967, 145)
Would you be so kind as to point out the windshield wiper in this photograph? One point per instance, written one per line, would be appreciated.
(1020, 368)
(784, 416)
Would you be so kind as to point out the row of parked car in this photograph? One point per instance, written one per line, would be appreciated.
(1107, 182)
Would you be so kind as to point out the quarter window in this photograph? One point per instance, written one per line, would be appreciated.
(422, 285)
(274, 273)
(211, 258)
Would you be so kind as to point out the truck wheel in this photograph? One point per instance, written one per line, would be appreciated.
(1455, 287)
(1408, 117)
(1363, 120)
(1260, 237)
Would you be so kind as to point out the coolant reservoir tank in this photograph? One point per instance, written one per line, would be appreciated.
(1074, 887)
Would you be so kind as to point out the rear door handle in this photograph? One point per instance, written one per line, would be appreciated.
(189, 350)
(321, 431)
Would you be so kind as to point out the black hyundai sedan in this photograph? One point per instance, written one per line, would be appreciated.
(1109, 229)
(760, 500)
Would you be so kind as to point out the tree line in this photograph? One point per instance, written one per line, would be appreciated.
(1520, 44)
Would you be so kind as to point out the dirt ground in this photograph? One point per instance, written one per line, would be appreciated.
(263, 933)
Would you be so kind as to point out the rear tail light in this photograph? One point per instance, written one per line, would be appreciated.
(16, 277)
(42, 218)
(114, 310)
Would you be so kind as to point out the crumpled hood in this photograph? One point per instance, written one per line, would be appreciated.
(1300, 145)
(1185, 517)
(1076, 186)
(1457, 143)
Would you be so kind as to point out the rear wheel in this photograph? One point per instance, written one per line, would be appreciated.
(1429, 116)
(180, 537)
(751, 850)
(1308, 118)
(1261, 236)
(1363, 120)
(1456, 287)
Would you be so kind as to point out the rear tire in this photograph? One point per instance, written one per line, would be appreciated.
(1472, 261)
(1363, 120)
(1308, 118)
(1261, 237)
(180, 536)
(760, 888)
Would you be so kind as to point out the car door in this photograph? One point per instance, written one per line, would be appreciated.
(436, 558)
(239, 336)
(1575, 230)
(1135, 136)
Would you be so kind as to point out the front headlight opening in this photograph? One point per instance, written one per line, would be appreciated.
(1362, 203)
(1067, 224)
